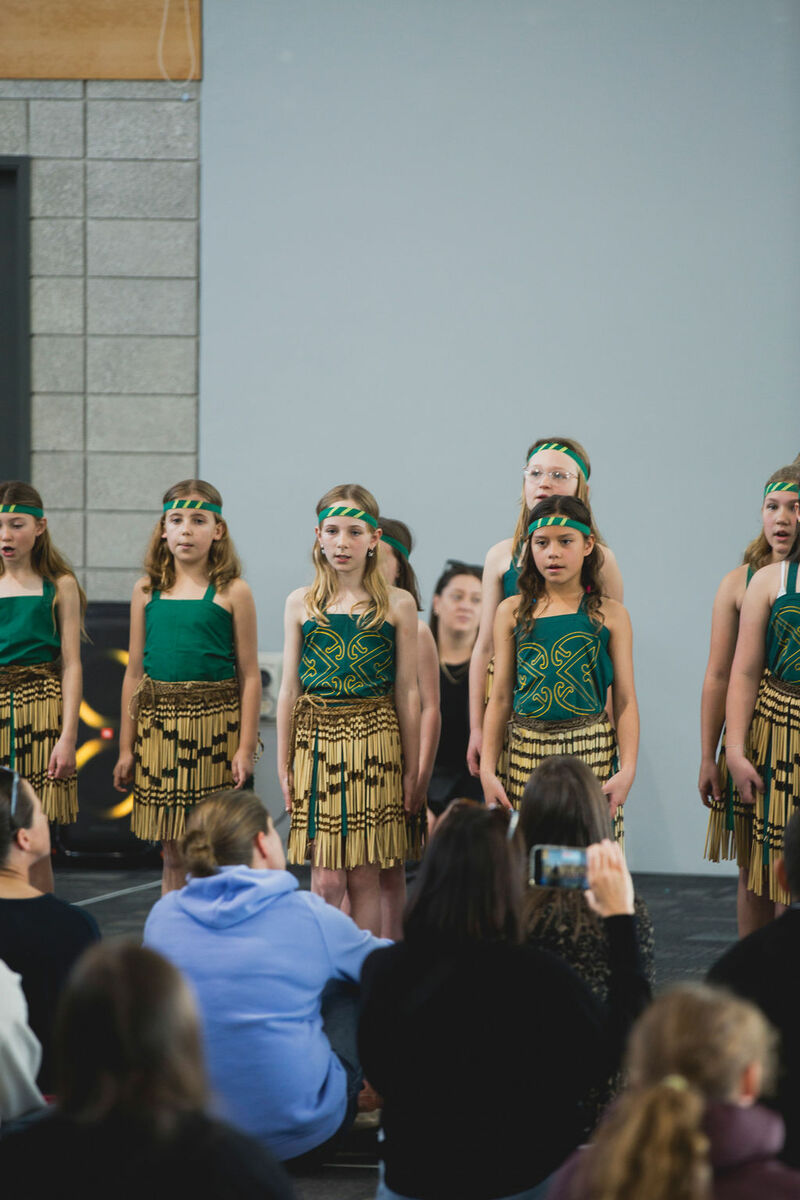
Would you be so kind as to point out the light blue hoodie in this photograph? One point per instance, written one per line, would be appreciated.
(258, 953)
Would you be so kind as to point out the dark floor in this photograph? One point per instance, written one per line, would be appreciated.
(694, 919)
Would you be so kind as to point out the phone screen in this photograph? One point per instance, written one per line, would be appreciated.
(558, 866)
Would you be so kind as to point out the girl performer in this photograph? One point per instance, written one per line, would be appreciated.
(41, 618)
(455, 614)
(554, 467)
(763, 716)
(394, 549)
(348, 710)
(192, 688)
(730, 825)
(560, 644)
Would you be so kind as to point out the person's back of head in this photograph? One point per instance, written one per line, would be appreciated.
(694, 1046)
(128, 1040)
(562, 805)
(221, 832)
(469, 887)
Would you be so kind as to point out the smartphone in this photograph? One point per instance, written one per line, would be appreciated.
(558, 866)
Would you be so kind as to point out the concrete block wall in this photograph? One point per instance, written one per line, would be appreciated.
(114, 308)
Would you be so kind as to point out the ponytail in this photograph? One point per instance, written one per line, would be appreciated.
(651, 1147)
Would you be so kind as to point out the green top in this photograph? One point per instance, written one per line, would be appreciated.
(188, 639)
(342, 659)
(564, 669)
(511, 576)
(783, 632)
(28, 628)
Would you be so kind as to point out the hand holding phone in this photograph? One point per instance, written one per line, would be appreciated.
(610, 892)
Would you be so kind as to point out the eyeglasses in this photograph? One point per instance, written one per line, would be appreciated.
(557, 475)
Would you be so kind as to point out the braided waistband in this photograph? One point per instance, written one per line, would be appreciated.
(150, 691)
(557, 726)
(15, 673)
(781, 685)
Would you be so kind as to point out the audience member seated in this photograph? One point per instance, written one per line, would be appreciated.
(130, 1121)
(563, 805)
(20, 1052)
(765, 968)
(260, 954)
(688, 1126)
(40, 936)
(482, 1047)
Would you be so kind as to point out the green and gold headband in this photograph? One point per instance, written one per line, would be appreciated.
(22, 508)
(781, 486)
(576, 458)
(560, 521)
(204, 504)
(341, 510)
(393, 542)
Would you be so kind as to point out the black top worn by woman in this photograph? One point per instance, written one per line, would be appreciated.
(483, 1054)
(451, 779)
(40, 939)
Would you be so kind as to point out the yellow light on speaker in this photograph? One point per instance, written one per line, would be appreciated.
(123, 809)
(90, 717)
(87, 751)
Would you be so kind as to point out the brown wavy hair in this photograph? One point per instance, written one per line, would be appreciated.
(223, 561)
(128, 1042)
(532, 585)
(46, 560)
(690, 1047)
(759, 551)
(325, 587)
(521, 532)
(562, 805)
(220, 832)
(406, 576)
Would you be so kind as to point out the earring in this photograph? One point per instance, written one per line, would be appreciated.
(322, 551)
(370, 552)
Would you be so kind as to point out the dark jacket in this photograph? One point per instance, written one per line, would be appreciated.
(744, 1146)
(483, 1054)
(765, 968)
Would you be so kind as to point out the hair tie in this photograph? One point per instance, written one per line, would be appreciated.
(562, 449)
(560, 521)
(204, 504)
(341, 510)
(678, 1082)
(22, 508)
(393, 542)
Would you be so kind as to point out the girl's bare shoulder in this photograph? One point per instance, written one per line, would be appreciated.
(498, 557)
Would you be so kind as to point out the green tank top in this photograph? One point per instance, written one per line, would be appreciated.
(783, 631)
(510, 580)
(28, 629)
(564, 669)
(188, 639)
(341, 659)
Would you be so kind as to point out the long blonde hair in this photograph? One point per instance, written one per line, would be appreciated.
(689, 1048)
(582, 494)
(46, 560)
(759, 551)
(325, 587)
(223, 561)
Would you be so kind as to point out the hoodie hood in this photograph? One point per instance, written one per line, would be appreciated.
(233, 895)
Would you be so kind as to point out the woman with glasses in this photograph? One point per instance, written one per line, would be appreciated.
(483, 1047)
(40, 935)
(553, 467)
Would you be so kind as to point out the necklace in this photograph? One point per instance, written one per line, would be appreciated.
(455, 674)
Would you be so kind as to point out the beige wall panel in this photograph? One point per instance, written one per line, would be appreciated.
(96, 39)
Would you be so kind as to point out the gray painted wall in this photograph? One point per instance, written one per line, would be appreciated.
(435, 231)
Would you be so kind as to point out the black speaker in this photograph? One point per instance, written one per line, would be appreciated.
(104, 816)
